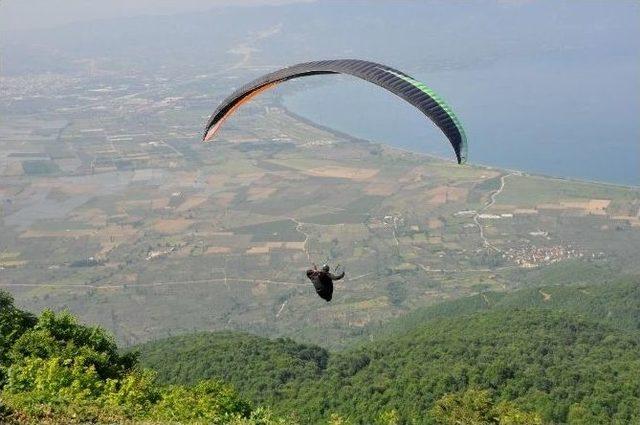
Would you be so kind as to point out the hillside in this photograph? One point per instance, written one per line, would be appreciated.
(55, 370)
(616, 303)
(259, 367)
(549, 362)
(556, 359)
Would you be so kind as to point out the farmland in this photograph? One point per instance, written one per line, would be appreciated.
(115, 210)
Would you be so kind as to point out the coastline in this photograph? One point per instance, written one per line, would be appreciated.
(352, 138)
(280, 104)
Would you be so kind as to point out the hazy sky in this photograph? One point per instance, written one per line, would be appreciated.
(32, 14)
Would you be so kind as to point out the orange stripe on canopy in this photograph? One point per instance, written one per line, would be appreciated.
(213, 130)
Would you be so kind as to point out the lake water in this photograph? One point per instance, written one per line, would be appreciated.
(554, 115)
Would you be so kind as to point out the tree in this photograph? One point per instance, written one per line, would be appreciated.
(60, 335)
(59, 371)
(476, 407)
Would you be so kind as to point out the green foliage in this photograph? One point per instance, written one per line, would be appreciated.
(541, 360)
(616, 303)
(13, 323)
(58, 371)
(208, 401)
(262, 416)
(389, 417)
(476, 407)
(40, 388)
(471, 407)
(131, 396)
(540, 355)
(336, 419)
(59, 335)
(71, 391)
(260, 368)
(559, 359)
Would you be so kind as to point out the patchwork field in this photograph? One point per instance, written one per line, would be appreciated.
(134, 224)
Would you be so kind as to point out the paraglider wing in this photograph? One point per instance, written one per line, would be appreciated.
(398, 83)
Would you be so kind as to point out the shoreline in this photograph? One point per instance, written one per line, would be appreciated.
(280, 104)
(353, 138)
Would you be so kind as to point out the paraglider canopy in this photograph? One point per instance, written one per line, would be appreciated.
(398, 83)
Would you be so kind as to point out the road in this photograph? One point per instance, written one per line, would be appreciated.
(299, 226)
(486, 207)
(487, 270)
(224, 280)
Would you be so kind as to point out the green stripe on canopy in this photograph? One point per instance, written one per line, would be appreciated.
(422, 87)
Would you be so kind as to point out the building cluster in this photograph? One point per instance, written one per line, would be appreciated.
(529, 256)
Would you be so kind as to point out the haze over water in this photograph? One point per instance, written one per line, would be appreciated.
(566, 112)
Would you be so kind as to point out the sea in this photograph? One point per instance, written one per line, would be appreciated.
(570, 116)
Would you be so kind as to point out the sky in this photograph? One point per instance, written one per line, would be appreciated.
(37, 14)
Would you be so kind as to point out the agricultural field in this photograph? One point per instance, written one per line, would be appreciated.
(115, 210)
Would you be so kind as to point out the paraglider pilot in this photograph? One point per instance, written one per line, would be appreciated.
(323, 281)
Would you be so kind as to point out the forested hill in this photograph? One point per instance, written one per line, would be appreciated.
(557, 352)
(54, 370)
(260, 367)
(558, 365)
(569, 358)
(616, 303)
